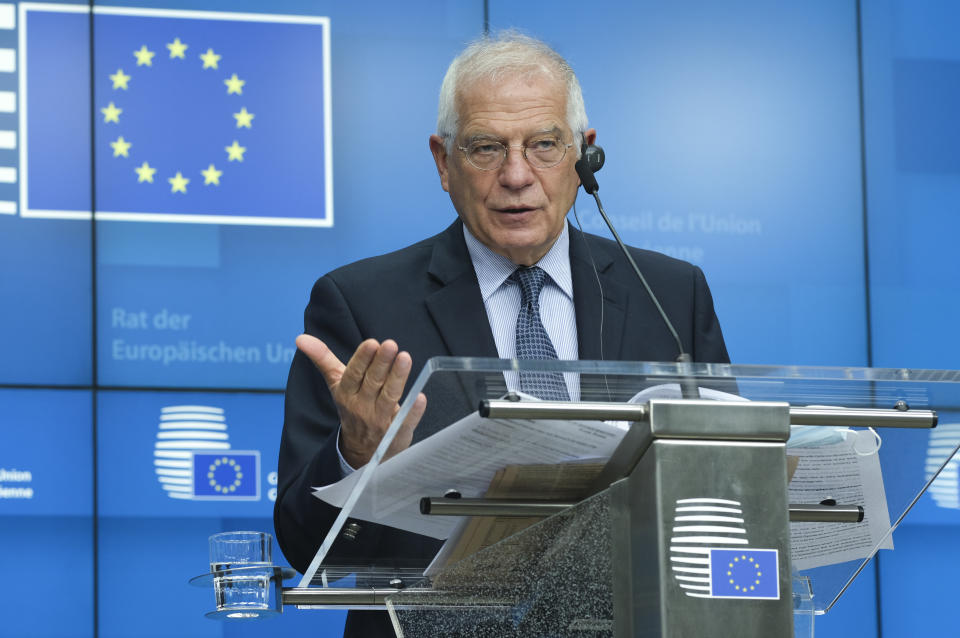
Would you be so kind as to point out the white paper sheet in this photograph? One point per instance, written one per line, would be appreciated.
(837, 472)
(474, 448)
(471, 451)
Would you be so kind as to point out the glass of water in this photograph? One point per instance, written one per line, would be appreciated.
(230, 550)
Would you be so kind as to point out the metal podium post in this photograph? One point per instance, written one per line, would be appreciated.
(701, 525)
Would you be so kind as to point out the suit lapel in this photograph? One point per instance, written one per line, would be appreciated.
(461, 319)
(457, 310)
(591, 327)
(456, 307)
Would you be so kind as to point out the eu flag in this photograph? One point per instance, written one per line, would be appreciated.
(744, 573)
(229, 475)
(205, 117)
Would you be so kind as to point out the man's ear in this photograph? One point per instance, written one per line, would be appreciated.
(439, 149)
(590, 136)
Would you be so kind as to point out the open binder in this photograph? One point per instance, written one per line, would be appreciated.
(681, 526)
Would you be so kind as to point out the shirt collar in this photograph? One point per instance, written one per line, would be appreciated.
(493, 269)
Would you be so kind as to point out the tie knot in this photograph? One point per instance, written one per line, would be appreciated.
(531, 281)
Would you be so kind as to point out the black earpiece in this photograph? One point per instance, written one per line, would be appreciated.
(593, 155)
(591, 161)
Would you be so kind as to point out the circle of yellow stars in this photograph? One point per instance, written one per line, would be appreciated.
(225, 462)
(756, 581)
(121, 147)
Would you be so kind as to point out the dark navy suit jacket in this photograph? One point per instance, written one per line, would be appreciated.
(427, 299)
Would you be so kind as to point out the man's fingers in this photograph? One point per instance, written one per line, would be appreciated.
(366, 392)
(357, 366)
(416, 412)
(322, 357)
(379, 369)
(403, 438)
(392, 387)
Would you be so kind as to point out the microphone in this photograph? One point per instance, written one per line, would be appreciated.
(591, 160)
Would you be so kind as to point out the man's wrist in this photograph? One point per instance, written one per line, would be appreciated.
(345, 468)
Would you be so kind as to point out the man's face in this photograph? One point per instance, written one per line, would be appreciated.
(516, 210)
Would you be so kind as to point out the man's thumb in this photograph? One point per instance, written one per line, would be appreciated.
(322, 357)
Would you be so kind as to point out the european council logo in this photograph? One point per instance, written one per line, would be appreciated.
(197, 116)
(710, 555)
(193, 459)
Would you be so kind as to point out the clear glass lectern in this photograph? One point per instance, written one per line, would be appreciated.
(662, 499)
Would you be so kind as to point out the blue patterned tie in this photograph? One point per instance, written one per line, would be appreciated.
(533, 342)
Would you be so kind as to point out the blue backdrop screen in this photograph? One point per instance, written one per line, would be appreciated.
(216, 159)
(732, 141)
(911, 68)
(46, 510)
(45, 264)
(219, 304)
(173, 469)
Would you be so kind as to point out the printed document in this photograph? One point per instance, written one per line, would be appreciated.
(465, 457)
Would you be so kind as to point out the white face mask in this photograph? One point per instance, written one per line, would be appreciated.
(864, 442)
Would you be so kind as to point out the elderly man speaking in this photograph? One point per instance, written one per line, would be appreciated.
(507, 273)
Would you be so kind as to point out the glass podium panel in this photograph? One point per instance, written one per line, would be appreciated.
(547, 580)
(550, 568)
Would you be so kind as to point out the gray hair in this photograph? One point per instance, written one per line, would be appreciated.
(508, 54)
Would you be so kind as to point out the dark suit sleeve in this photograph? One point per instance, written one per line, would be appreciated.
(308, 454)
(708, 343)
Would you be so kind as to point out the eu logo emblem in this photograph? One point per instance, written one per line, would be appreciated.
(744, 573)
(230, 475)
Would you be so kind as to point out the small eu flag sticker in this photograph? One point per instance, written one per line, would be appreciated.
(744, 573)
(231, 475)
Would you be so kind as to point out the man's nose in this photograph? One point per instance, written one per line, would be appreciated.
(516, 172)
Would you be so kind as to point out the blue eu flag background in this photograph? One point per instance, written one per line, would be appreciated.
(744, 573)
(218, 118)
(233, 475)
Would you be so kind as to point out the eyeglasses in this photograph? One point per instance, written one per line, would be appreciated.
(542, 152)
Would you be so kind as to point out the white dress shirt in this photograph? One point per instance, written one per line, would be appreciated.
(501, 299)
